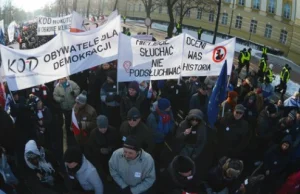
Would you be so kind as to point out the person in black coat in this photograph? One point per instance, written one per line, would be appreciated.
(103, 141)
(179, 177)
(7, 132)
(200, 99)
(233, 133)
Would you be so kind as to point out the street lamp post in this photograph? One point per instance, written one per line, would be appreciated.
(217, 22)
(231, 17)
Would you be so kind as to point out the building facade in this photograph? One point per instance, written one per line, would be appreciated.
(275, 23)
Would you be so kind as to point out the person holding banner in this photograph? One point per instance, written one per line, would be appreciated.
(65, 93)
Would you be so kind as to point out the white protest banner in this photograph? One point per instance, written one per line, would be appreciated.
(149, 60)
(11, 31)
(77, 23)
(2, 26)
(66, 54)
(50, 26)
(203, 59)
(143, 37)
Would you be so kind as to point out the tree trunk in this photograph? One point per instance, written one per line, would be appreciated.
(88, 9)
(116, 4)
(66, 7)
(171, 16)
(74, 5)
(99, 8)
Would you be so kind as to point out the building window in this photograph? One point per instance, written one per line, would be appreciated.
(211, 16)
(256, 4)
(188, 13)
(238, 22)
(283, 36)
(224, 18)
(241, 2)
(160, 9)
(253, 26)
(199, 13)
(271, 7)
(140, 7)
(268, 31)
(287, 11)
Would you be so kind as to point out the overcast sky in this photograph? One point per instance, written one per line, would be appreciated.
(30, 5)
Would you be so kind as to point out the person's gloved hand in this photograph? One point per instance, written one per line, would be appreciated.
(126, 190)
(109, 98)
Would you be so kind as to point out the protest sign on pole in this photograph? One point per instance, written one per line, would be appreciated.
(203, 59)
(50, 26)
(66, 54)
(11, 31)
(77, 23)
(149, 60)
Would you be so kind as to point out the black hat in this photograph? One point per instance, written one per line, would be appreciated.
(73, 154)
(133, 113)
(102, 121)
(183, 164)
(131, 142)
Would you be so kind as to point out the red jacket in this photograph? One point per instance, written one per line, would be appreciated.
(292, 185)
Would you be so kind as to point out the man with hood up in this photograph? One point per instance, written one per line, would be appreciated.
(276, 160)
(79, 168)
(196, 141)
(44, 170)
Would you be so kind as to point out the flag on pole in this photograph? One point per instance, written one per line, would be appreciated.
(77, 23)
(75, 127)
(218, 96)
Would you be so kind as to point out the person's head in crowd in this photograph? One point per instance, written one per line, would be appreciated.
(15, 95)
(102, 123)
(244, 50)
(164, 105)
(128, 29)
(249, 49)
(73, 158)
(271, 66)
(291, 116)
(144, 33)
(184, 166)
(267, 80)
(105, 66)
(37, 101)
(286, 143)
(133, 117)
(202, 90)
(111, 77)
(143, 85)
(131, 148)
(63, 80)
(296, 95)
(81, 100)
(289, 68)
(133, 88)
(193, 79)
(210, 81)
(232, 168)
(238, 111)
(232, 96)
(194, 117)
(279, 103)
(272, 110)
(251, 99)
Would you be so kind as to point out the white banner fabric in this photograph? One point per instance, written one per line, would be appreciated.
(50, 26)
(203, 59)
(149, 60)
(11, 31)
(66, 54)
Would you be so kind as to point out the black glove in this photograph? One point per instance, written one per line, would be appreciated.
(72, 93)
(109, 98)
(126, 190)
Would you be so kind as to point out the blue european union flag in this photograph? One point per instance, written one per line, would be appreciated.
(218, 96)
(2, 39)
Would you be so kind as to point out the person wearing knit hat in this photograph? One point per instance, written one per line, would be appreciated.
(85, 116)
(103, 141)
(135, 126)
(134, 98)
(163, 104)
(179, 177)
(230, 103)
(132, 168)
(79, 168)
(200, 99)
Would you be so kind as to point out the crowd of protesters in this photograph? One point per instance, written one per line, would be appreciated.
(150, 138)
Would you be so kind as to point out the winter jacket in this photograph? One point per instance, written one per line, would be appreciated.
(109, 96)
(86, 117)
(172, 182)
(139, 101)
(142, 133)
(138, 174)
(292, 184)
(275, 160)
(266, 126)
(66, 96)
(192, 87)
(7, 132)
(160, 129)
(199, 102)
(88, 177)
(233, 136)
